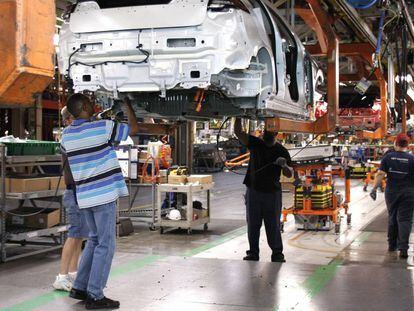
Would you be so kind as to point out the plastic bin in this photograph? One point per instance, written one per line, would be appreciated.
(31, 148)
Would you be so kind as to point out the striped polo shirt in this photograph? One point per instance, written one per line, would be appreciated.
(89, 146)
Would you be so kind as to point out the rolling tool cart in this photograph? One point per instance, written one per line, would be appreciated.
(317, 203)
(191, 219)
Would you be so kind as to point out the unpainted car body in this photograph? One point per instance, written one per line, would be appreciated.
(190, 58)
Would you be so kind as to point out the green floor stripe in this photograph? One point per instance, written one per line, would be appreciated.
(120, 270)
(314, 284)
(361, 238)
(134, 265)
(224, 238)
(320, 278)
(36, 302)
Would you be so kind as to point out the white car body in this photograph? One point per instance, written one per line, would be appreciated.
(237, 53)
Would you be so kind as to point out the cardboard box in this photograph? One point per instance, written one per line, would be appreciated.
(201, 179)
(143, 155)
(54, 183)
(201, 213)
(48, 218)
(177, 179)
(18, 185)
(288, 186)
(162, 179)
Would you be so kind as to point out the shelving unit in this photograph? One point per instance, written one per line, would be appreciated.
(50, 238)
(190, 222)
(139, 214)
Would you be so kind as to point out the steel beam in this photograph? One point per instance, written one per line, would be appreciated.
(333, 63)
(310, 19)
(155, 129)
(345, 49)
(408, 18)
(360, 25)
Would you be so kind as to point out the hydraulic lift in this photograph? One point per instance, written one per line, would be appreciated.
(317, 202)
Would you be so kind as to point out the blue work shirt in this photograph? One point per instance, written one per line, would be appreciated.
(399, 167)
(89, 147)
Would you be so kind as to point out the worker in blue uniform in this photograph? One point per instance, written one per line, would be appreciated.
(264, 194)
(398, 166)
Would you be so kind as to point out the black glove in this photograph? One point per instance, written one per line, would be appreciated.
(373, 194)
(281, 162)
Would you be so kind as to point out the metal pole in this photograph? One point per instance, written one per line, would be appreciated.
(39, 117)
(407, 17)
(3, 204)
(153, 195)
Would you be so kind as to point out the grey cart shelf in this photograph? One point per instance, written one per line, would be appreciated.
(41, 240)
(189, 223)
(137, 214)
(145, 214)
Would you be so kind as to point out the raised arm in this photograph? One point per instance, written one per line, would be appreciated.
(241, 135)
(132, 119)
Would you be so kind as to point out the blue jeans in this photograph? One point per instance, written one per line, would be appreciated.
(78, 228)
(97, 256)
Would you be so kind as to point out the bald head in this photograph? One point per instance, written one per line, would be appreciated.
(80, 106)
(66, 116)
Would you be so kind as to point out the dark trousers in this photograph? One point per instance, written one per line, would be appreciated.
(261, 206)
(400, 205)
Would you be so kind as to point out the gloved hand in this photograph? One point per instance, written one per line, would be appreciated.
(373, 194)
(281, 162)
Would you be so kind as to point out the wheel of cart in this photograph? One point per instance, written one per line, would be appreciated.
(161, 230)
(348, 219)
(189, 231)
(205, 227)
(338, 224)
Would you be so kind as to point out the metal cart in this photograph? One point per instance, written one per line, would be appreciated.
(50, 238)
(189, 223)
(145, 214)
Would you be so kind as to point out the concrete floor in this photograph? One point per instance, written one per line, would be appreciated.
(204, 271)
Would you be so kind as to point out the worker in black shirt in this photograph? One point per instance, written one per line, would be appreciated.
(264, 195)
(398, 166)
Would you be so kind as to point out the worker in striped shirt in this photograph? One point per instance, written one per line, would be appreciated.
(88, 146)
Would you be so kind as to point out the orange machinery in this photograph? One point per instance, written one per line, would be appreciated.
(238, 161)
(326, 178)
(371, 175)
(26, 50)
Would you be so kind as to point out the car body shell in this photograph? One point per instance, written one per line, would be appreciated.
(241, 54)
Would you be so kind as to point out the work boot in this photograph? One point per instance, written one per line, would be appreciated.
(251, 256)
(403, 253)
(78, 294)
(278, 257)
(392, 248)
(104, 303)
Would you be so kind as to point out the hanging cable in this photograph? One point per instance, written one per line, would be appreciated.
(93, 65)
(358, 4)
